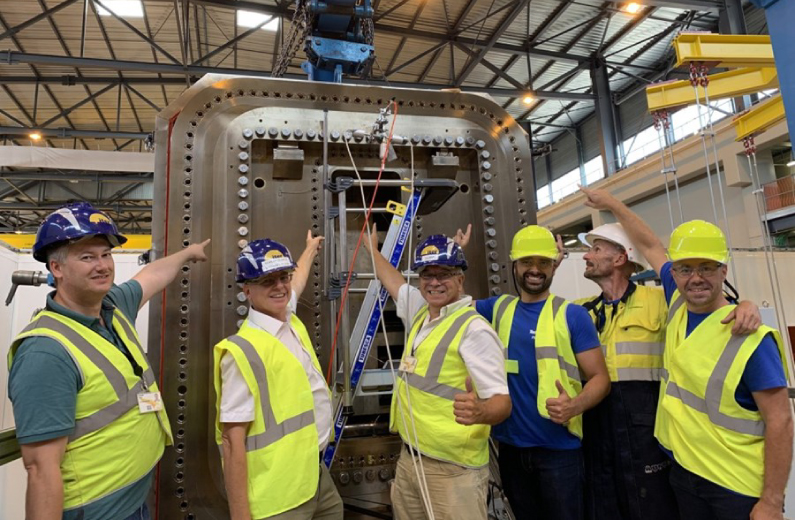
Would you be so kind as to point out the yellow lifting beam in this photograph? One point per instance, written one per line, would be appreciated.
(723, 50)
(760, 118)
(724, 85)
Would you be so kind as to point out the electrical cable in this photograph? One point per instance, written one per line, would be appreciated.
(418, 471)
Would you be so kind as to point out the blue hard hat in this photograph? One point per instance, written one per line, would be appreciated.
(263, 257)
(438, 250)
(74, 222)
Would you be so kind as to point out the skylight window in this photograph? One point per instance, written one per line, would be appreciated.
(122, 8)
(252, 19)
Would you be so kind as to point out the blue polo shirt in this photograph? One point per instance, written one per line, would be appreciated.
(525, 428)
(43, 386)
(764, 370)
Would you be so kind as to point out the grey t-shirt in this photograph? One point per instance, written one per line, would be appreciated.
(43, 386)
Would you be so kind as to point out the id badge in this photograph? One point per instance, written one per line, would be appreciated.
(149, 402)
(408, 364)
(512, 366)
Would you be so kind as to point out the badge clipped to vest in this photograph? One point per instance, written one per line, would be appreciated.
(512, 366)
(149, 402)
(408, 364)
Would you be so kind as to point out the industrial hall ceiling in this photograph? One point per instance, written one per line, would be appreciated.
(93, 74)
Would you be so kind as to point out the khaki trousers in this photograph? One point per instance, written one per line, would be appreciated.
(325, 505)
(456, 493)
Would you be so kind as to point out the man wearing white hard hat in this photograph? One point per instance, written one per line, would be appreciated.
(626, 472)
(723, 416)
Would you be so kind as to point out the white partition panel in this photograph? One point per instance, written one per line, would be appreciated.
(12, 320)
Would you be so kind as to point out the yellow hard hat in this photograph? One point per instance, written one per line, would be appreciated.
(698, 239)
(533, 241)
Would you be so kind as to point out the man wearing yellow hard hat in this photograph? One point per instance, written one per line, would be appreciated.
(552, 346)
(723, 415)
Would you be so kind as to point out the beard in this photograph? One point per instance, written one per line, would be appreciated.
(530, 288)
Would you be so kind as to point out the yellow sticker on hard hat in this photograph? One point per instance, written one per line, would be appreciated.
(97, 218)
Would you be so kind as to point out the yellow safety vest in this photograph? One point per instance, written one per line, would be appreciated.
(554, 356)
(113, 444)
(633, 338)
(281, 444)
(439, 374)
(698, 417)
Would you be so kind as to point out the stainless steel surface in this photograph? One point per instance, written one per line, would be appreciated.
(223, 123)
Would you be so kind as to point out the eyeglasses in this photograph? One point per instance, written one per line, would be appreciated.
(441, 276)
(270, 281)
(703, 270)
(539, 263)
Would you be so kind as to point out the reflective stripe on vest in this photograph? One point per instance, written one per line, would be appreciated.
(710, 405)
(113, 445)
(430, 381)
(698, 417)
(273, 431)
(553, 352)
(632, 335)
(675, 305)
(127, 399)
(541, 352)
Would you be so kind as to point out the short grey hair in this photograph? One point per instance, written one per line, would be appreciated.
(58, 253)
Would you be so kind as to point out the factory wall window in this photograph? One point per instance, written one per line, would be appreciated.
(594, 170)
(686, 122)
(565, 185)
(542, 197)
(641, 145)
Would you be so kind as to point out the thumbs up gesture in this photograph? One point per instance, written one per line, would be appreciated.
(561, 408)
(468, 407)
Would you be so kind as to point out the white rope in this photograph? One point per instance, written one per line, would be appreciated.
(418, 471)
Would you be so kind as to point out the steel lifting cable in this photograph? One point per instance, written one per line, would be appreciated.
(704, 81)
(695, 81)
(770, 260)
(658, 125)
(419, 471)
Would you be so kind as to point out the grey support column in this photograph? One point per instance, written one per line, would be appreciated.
(605, 116)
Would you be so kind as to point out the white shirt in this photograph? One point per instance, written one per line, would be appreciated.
(481, 348)
(237, 402)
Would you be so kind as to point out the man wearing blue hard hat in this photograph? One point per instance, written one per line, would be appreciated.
(451, 387)
(92, 434)
(273, 406)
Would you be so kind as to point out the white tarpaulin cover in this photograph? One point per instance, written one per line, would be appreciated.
(96, 160)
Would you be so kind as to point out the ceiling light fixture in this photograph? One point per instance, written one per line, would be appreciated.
(35, 136)
(252, 19)
(528, 99)
(632, 7)
(570, 242)
(122, 8)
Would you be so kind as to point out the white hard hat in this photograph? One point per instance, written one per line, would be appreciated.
(615, 233)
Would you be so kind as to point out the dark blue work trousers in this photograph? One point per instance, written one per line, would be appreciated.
(626, 472)
(542, 484)
(700, 499)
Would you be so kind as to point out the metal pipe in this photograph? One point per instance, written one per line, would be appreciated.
(67, 133)
(345, 341)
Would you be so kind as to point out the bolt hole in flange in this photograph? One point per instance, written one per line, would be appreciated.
(464, 188)
(259, 183)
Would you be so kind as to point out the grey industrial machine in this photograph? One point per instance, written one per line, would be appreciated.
(244, 158)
